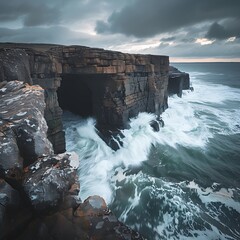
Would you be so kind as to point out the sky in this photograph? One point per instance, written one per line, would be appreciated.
(185, 30)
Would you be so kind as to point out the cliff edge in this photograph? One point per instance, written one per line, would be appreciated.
(38, 180)
(39, 189)
(110, 86)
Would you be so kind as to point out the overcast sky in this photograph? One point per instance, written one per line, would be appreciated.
(186, 30)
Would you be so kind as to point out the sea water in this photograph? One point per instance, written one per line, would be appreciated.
(182, 182)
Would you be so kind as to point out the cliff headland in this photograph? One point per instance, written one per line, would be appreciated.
(38, 179)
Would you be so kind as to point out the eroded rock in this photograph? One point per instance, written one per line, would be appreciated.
(92, 220)
(39, 190)
(48, 183)
(178, 81)
(119, 85)
(21, 126)
(32, 179)
(9, 205)
(14, 65)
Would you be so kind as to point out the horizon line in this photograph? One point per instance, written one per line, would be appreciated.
(203, 60)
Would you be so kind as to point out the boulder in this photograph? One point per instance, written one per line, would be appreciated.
(52, 182)
(91, 220)
(39, 190)
(13, 216)
(20, 62)
(22, 127)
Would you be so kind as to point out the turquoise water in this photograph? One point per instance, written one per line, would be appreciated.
(182, 182)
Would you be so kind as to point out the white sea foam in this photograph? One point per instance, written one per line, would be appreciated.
(175, 209)
(189, 121)
(97, 160)
(183, 126)
(223, 196)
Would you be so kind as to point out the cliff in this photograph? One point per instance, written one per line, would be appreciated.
(178, 81)
(108, 85)
(37, 67)
(39, 189)
(38, 186)
(26, 155)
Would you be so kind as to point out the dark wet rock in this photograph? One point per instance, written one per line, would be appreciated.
(14, 65)
(114, 138)
(109, 85)
(91, 220)
(22, 127)
(178, 81)
(49, 186)
(31, 178)
(19, 62)
(49, 182)
(155, 125)
(39, 190)
(10, 158)
(9, 199)
(12, 214)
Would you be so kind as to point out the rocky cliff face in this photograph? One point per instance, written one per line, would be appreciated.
(24, 165)
(21, 124)
(121, 85)
(38, 189)
(37, 67)
(178, 81)
(111, 86)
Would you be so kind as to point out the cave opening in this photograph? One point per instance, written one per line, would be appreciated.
(74, 95)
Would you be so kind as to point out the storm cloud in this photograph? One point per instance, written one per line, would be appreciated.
(147, 18)
(179, 28)
(228, 29)
(32, 13)
(47, 13)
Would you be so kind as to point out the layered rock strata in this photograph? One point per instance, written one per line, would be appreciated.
(38, 189)
(121, 85)
(108, 85)
(44, 69)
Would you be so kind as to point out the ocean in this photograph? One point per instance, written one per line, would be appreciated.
(182, 182)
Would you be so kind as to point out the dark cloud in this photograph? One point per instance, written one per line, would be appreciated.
(230, 28)
(217, 31)
(86, 9)
(144, 18)
(10, 10)
(50, 12)
(133, 22)
(32, 13)
(42, 15)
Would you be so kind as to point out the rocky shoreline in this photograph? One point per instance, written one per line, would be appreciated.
(39, 188)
